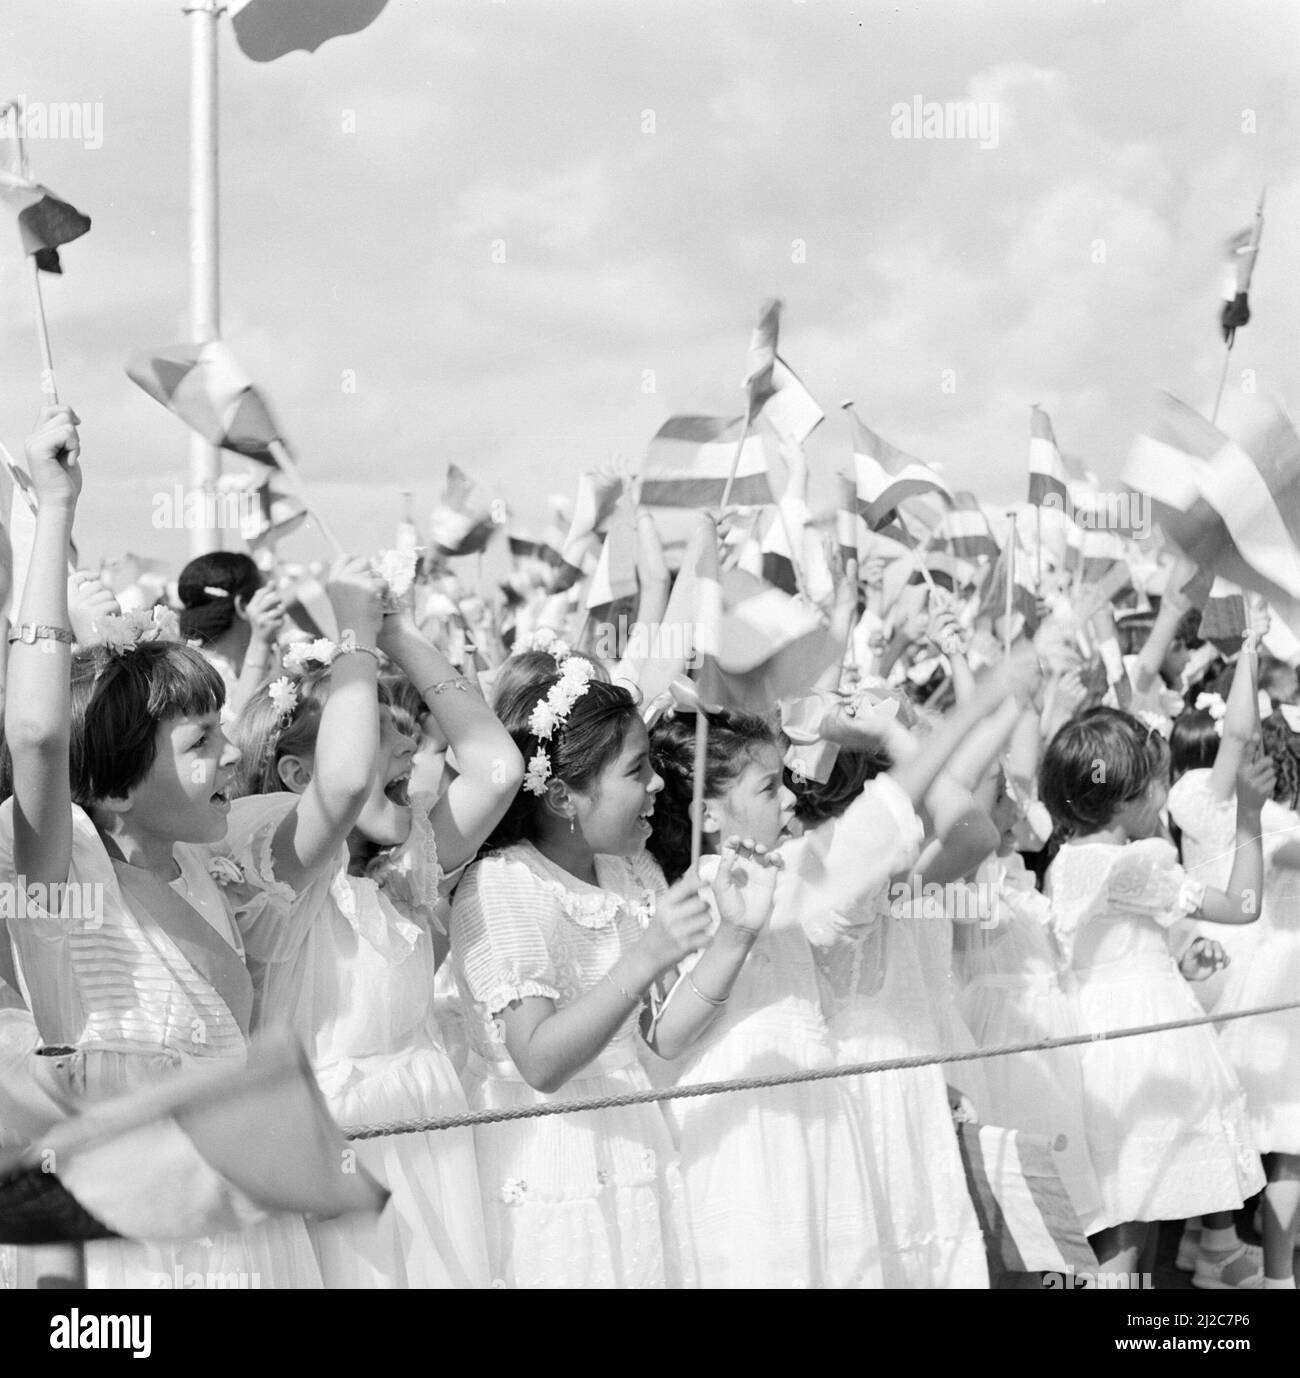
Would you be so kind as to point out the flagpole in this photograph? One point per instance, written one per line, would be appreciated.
(205, 281)
(735, 462)
(291, 471)
(1223, 378)
(1011, 579)
(49, 386)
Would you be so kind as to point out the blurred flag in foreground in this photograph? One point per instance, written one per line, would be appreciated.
(196, 1153)
(1025, 1213)
(267, 29)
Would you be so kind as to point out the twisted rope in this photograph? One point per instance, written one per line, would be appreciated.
(717, 1088)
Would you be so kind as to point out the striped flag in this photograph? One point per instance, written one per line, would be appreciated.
(761, 360)
(886, 476)
(44, 220)
(850, 529)
(1025, 1213)
(803, 567)
(1048, 479)
(598, 495)
(1242, 250)
(1224, 616)
(268, 29)
(310, 609)
(457, 527)
(205, 386)
(615, 575)
(1012, 563)
(967, 529)
(1230, 505)
(791, 410)
(690, 458)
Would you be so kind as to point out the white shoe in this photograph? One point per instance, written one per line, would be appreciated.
(1241, 1268)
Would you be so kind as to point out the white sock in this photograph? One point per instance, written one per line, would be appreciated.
(1219, 1241)
(1279, 1284)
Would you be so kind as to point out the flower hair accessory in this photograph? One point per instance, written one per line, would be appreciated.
(397, 569)
(1214, 705)
(551, 714)
(283, 693)
(123, 632)
(546, 641)
(302, 658)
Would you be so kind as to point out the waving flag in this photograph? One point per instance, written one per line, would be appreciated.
(615, 575)
(455, 527)
(267, 29)
(761, 360)
(967, 529)
(791, 410)
(598, 495)
(1048, 479)
(1231, 505)
(690, 457)
(205, 386)
(279, 513)
(1242, 251)
(44, 220)
(886, 476)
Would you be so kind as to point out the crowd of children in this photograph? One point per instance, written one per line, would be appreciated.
(470, 884)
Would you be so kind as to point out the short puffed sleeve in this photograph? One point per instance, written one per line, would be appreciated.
(90, 874)
(1146, 879)
(499, 923)
(272, 917)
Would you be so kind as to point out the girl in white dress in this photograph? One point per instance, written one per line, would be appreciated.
(1264, 1050)
(778, 1187)
(121, 773)
(1165, 1116)
(558, 933)
(874, 986)
(341, 872)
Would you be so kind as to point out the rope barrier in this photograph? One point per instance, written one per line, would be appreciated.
(857, 1069)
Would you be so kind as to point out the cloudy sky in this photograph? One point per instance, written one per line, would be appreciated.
(510, 221)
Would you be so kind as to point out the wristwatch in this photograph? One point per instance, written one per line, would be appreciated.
(32, 632)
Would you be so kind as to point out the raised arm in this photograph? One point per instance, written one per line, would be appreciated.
(1172, 607)
(264, 614)
(347, 740)
(1242, 901)
(488, 763)
(38, 704)
(1240, 725)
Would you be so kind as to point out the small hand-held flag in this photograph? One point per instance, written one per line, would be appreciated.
(207, 388)
(1242, 250)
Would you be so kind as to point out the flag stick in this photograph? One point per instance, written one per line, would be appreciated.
(735, 462)
(48, 384)
(697, 789)
(1223, 378)
(1011, 579)
(291, 471)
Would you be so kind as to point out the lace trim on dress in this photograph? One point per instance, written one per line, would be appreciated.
(381, 925)
(411, 875)
(507, 992)
(593, 910)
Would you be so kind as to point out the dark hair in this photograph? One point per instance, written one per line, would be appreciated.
(1098, 762)
(118, 703)
(206, 616)
(733, 739)
(527, 667)
(817, 802)
(1283, 746)
(579, 749)
(1193, 743)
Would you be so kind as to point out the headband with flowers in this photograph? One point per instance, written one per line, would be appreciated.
(302, 659)
(551, 714)
(123, 632)
(545, 640)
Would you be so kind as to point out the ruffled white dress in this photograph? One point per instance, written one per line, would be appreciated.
(1263, 1050)
(878, 1008)
(1164, 1113)
(135, 995)
(579, 1200)
(777, 1186)
(1015, 989)
(348, 964)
